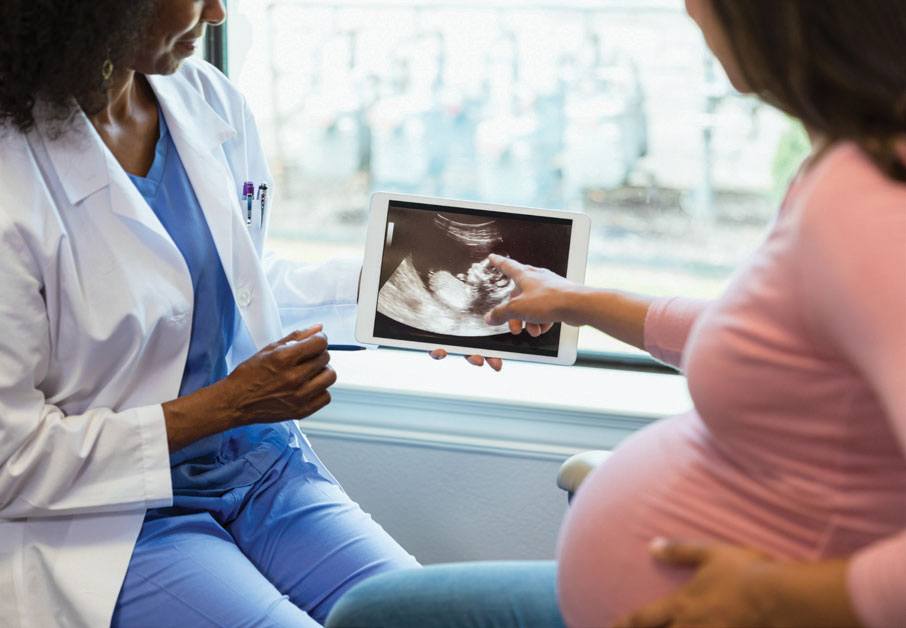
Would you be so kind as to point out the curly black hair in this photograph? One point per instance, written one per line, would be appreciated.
(54, 52)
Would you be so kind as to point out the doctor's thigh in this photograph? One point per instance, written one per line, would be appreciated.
(278, 553)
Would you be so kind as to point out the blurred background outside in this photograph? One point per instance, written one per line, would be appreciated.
(611, 107)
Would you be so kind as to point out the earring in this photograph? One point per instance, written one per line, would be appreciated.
(107, 70)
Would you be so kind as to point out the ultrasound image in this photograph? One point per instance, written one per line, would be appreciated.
(437, 282)
(450, 300)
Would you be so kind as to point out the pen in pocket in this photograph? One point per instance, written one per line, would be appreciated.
(262, 198)
(248, 195)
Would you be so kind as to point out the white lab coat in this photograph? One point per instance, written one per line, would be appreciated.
(95, 317)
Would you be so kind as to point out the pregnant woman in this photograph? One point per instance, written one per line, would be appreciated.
(781, 498)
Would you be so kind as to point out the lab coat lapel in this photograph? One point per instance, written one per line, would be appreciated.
(90, 175)
(198, 133)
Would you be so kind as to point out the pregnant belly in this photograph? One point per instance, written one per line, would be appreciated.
(647, 488)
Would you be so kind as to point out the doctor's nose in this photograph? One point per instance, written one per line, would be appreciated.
(214, 12)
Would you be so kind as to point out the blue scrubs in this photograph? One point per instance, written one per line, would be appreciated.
(260, 533)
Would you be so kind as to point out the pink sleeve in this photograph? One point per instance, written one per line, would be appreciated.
(876, 579)
(853, 246)
(667, 326)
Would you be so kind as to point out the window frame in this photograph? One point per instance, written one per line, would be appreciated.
(216, 52)
(216, 44)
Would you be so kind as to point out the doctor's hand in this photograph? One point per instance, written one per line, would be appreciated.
(541, 298)
(287, 379)
(475, 360)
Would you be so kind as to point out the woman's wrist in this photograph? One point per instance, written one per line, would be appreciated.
(223, 404)
(575, 304)
(617, 314)
(805, 594)
(204, 412)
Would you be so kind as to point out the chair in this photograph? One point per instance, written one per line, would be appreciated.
(576, 468)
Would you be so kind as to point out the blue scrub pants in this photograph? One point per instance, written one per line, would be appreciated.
(514, 594)
(278, 552)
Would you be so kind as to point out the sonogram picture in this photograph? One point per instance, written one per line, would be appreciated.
(456, 284)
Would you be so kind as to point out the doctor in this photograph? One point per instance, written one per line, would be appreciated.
(148, 473)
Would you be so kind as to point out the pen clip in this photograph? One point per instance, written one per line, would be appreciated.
(262, 197)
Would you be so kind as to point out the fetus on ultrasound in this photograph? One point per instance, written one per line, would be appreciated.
(450, 284)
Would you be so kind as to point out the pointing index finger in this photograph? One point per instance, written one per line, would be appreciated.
(508, 266)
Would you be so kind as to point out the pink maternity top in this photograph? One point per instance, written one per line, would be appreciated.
(797, 443)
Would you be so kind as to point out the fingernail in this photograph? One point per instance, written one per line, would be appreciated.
(488, 319)
(658, 544)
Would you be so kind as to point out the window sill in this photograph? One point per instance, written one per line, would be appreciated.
(527, 409)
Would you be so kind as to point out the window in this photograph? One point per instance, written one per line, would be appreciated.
(612, 107)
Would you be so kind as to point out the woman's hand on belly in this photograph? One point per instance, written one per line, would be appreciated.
(735, 586)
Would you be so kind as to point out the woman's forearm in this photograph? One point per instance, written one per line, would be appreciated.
(617, 314)
(195, 416)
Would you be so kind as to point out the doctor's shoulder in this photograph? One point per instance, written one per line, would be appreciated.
(20, 186)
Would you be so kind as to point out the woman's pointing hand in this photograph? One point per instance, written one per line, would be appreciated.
(541, 298)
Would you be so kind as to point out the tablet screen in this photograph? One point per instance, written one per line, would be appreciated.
(437, 283)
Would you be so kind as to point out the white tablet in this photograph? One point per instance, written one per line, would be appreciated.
(427, 282)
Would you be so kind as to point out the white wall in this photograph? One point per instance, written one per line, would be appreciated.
(445, 504)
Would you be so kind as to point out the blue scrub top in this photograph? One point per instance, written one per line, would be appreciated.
(167, 189)
(238, 457)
